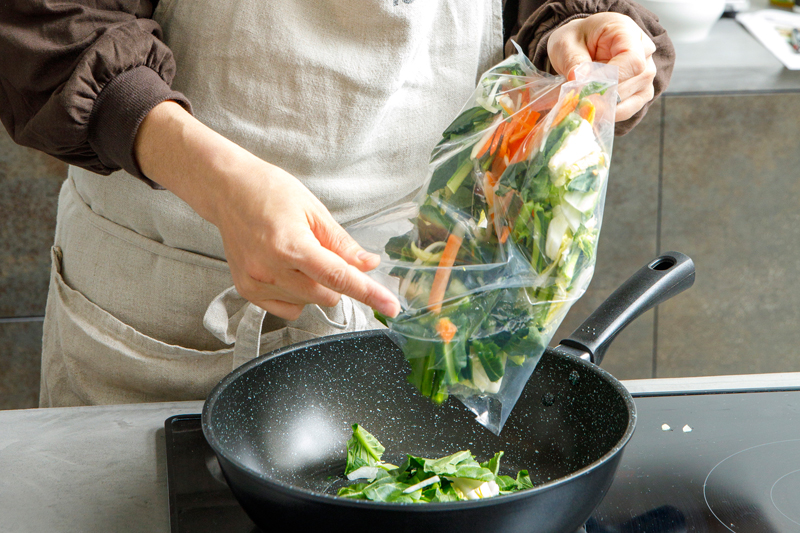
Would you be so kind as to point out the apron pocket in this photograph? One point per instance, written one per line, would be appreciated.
(91, 357)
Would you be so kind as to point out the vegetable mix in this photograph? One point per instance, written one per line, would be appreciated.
(503, 238)
(418, 480)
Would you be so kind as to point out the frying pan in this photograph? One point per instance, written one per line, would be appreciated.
(279, 427)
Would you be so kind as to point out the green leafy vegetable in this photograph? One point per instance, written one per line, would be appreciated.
(362, 450)
(455, 477)
(506, 233)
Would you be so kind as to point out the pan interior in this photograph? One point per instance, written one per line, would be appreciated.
(288, 418)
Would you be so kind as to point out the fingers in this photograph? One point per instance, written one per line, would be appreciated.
(632, 54)
(339, 264)
(635, 92)
(617, 40)
(333, 259)
(333, 237)
(284, 310)
(284, 255)
(566, 48)
(305, 272)
(290, 286)
(332, 271)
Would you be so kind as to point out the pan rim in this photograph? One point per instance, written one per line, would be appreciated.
(319, 497)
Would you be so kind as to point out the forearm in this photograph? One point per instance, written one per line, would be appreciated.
(198, 165)
(283, 247)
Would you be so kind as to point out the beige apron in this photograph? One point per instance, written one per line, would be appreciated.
(347, 95)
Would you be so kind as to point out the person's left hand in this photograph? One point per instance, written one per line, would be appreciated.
(611, 38)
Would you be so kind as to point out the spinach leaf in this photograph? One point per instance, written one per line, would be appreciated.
(422, 480)
(493, 464)
(586, 181)
(471, 120)
(363, 449)
(594, 87)
(458, 163)
(489, 356)
(524, 480)
(399, 247)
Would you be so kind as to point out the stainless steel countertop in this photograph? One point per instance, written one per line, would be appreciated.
(102, 469)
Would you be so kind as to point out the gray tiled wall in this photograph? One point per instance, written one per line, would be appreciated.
(20, 345)
(731, 200)
(715, 177)
(29, 185)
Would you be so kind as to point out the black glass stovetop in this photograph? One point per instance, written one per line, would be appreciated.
(696, 463)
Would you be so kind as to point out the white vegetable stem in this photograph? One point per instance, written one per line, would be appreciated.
(578, 152)
(422, 484)
(365, 472)
(473, 489)
(556, 232)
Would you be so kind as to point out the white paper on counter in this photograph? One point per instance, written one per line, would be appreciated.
(773, 29)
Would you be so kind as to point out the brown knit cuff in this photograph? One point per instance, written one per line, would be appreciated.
(119, 110)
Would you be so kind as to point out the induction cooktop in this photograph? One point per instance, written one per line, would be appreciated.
(717, 462)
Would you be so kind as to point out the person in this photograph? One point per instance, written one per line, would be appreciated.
(218, 151)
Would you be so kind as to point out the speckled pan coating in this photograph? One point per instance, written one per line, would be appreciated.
(280, 423)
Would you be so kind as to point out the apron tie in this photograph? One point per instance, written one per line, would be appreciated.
(234, 320)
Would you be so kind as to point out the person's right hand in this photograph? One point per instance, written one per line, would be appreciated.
(283, 247)
(285, 250)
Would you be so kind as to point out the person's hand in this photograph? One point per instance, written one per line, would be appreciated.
(283, 247)
(285, 250)
(614, 39)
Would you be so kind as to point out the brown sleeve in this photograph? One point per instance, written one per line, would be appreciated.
(530, 23)
(78, 77)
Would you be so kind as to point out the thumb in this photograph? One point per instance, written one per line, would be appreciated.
(567, 49)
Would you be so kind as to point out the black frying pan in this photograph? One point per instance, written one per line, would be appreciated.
(279, 425)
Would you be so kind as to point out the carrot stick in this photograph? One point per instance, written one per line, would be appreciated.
(567, 107)
(519, 135)
(442, 276)
(504, 235)
(488, 191)
(485, 148)
(504, 143)
(513, 147)
(491, 179)
(532, 118)
(446, 329)
(505, 106)
(527, 123)
(498, 134)
(525, 149)
(499, 164)
(587, 110)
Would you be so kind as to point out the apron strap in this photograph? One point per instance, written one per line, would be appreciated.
(234, 320)
(317, 311)
(248, 335)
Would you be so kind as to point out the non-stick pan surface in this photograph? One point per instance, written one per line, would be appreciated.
(279, 426)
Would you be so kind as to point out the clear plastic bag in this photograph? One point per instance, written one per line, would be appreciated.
(501, 240)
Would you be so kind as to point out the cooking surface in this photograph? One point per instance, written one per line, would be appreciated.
(726, 462)
(698, 463)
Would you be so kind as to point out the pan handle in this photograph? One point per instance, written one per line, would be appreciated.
(658, 281)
